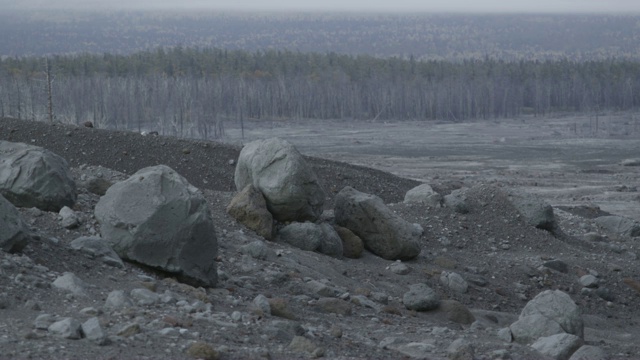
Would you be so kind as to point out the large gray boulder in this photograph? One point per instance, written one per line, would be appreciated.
(278, 170)
(557, 306)
(536, 212)
(322, 238)
(619, 225)
(383, 232)
(31, 176)
(158, 219)
(14, 234)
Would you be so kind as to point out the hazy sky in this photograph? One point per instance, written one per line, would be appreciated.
(623, 6)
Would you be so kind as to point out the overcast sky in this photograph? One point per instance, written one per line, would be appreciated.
(616, 6)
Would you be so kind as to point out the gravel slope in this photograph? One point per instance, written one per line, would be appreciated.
(505, 262)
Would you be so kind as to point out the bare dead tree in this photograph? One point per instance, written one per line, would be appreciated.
(49, 92)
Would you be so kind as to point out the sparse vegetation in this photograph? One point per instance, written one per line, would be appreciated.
(192, 92)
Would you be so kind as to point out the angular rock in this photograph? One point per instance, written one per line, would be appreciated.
(383, 232)
(399, 268)
(457, 201)
(352, 245)
(557, 265)
(43, 321)
(302, 344)
(158, 219)
(117, 299)
(14, 233)
(289, 185)
(67, 328)
(334, 305)
(144, 296)
(92, 329)
(71, 283)
(423, 194)
(505, 335)
(280, 308)
(456, 312)
(630, 162)
(461, 349)
(31, 176)
(559, 346)
(96, 247)
(589, 352)
(69, 219)
(312, 237)
(129, 329)
(261, 303)
(250, 208)
(532, 327)
(536, 212)
(98, 185)
(417, 350)
(420, 297)
(619, 225)
(454, 281)
(319, 289)
(202, 350)
(257, 250)
(557, 306)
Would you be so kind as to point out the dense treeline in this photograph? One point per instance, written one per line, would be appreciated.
(190, 91)
(425, 36)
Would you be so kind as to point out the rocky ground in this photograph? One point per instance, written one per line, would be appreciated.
(317, 305)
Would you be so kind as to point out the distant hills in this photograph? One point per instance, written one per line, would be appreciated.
(421, 36)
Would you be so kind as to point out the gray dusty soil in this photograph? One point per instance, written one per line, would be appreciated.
(564, 160)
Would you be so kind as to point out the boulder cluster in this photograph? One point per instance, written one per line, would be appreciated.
(155, 218)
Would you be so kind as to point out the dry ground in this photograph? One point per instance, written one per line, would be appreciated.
(501, 256)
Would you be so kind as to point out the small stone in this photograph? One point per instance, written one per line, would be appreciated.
(90, 311)
(69, 218)
(302, 344)
(117, 299)
(202, 350)
(399, 268)
(557, 265)
(92, 329)
(454, 281)
(456, 312)
(67, 328)
(333, 305)
(261, 303)
(129, 330)
(605, 294)
(319, 289)
(335, 331)
(504, 334)
(417, 350)
(420, 297)
(589, 281)
(32, 305)
(144, 297)
(43, 321)
(280, 308)
(71, 283)
(460, 349)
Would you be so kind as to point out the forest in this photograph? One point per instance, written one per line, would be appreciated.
(193, 92)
